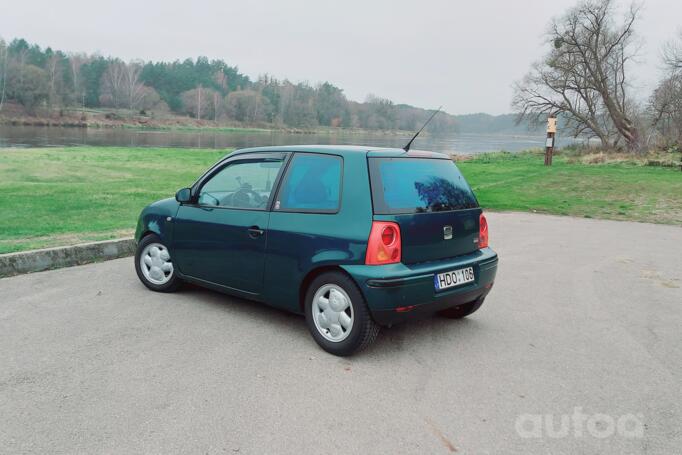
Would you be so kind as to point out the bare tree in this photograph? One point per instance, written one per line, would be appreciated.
(53, 74)
(121, 86)
(548, 91)
(199, 90)
(216, 105)
(666, 107)
(134, 89)
(112, 85)
(27, 85)
(247, 106)
(672, 54)
(286, 92)
(76, 61)
(584, 75)
(665, 103)
(201, 102)
(220, 79)
(3, 71)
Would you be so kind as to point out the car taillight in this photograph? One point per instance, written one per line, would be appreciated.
(482, 232)
(384, 245)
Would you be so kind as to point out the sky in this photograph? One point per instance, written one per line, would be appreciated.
(464, 55)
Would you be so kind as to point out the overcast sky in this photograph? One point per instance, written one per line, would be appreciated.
(461, 54)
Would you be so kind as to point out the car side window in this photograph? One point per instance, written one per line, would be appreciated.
(312, 184)
(241, 185)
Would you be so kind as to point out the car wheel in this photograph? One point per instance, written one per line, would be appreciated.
(154, 266)
(462, 311)
(337, 315)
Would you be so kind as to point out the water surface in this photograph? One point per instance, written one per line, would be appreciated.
(35, 136)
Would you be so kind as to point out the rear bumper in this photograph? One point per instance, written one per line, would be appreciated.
(397, 292)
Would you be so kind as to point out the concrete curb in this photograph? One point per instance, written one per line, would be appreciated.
(53, 258)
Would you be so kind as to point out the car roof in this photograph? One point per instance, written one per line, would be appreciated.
(387, 152)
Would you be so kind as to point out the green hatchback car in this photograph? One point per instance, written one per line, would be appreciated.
(354, 238)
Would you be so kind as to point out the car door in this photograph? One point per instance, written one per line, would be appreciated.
(220, 237)
(304, 229)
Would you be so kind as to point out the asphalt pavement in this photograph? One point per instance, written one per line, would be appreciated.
(578, 349)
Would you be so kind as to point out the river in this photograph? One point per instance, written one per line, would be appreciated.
(34, 136)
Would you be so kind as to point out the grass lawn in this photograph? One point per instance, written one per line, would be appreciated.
(616, 191)
(59, 196)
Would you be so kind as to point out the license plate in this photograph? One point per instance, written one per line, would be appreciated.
(453, 278)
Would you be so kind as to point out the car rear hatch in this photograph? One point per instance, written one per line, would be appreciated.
(430, 200)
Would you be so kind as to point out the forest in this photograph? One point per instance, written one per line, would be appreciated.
(45, 82)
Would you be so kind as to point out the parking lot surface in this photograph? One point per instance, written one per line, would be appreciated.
(582, 332)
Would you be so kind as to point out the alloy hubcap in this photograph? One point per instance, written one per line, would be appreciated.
(332, 312)
(155, 263)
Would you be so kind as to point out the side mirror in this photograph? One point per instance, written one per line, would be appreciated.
(184, 196)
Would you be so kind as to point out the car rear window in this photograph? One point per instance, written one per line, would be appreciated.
(418, 185)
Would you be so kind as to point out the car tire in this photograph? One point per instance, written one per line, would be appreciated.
(462, 311)
(154, 265)
(337, 315)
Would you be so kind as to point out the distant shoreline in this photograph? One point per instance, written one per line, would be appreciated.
(102, 120)
(191, 126)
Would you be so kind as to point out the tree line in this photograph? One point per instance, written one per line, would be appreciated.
(47, 81)
(585, 80)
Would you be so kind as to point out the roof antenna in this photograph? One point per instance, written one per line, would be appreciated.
(409, 144)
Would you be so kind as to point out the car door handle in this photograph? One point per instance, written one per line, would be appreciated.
(255, 232)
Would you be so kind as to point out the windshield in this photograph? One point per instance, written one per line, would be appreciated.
(418, 185)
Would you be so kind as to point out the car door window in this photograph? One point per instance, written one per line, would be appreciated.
(241, 185)
(312, 184)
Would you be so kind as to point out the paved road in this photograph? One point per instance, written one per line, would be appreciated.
(585, 319)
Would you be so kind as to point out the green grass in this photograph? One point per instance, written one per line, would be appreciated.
(617, 191)
(59, 196)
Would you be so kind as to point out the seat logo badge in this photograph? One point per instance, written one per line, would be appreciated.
(447, 232)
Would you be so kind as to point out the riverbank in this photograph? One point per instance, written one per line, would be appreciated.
(63, 196)
(111, 118)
